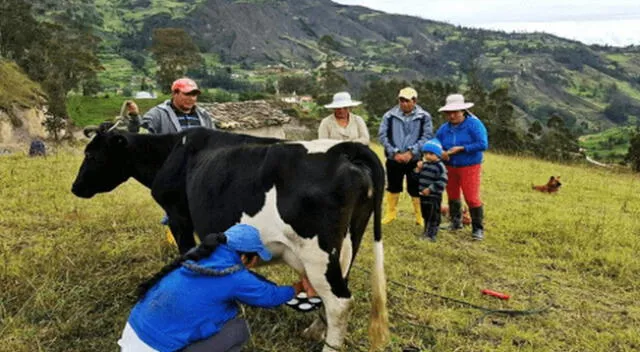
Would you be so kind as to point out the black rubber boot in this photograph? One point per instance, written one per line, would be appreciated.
(477, 218)
(455, 215)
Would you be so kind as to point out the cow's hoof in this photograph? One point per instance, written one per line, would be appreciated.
(316, 331)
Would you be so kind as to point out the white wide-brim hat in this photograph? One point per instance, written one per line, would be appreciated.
(342, 100)
(455, 102)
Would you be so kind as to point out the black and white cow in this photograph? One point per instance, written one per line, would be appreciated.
(311, 202)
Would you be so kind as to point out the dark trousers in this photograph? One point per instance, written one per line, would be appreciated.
(234, 334)
(430, 207)
(396, 173)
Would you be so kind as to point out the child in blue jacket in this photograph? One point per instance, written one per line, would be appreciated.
(432, 180)
(191, 305)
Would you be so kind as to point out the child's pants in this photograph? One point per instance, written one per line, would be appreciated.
(430, 206)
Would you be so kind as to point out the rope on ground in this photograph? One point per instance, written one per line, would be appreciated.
(487, 311)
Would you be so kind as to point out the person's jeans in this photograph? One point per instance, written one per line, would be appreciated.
(234, 334)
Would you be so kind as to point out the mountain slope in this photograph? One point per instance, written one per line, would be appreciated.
(547, 74)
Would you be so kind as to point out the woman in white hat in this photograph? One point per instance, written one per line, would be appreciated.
(464, 139)
(342, 124)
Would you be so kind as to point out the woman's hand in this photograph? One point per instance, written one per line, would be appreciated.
(298, 287)
(425, 192)
(455, 150)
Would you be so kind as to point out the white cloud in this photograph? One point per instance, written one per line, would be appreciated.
(614, 22)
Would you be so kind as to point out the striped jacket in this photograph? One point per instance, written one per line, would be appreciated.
(434, 177)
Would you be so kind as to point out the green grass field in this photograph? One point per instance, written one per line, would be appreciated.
(85, 111)
(69, 266)
(611, 145)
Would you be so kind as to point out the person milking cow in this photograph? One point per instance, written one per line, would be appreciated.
(191, 305)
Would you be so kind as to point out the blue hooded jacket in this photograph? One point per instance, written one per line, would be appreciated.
(186, 306)
(470, 134)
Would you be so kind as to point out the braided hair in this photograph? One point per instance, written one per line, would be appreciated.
(206, 247)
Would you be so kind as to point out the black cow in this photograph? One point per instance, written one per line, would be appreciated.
(311, 202)
(112, 157)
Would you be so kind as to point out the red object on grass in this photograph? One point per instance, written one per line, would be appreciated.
(496, 294)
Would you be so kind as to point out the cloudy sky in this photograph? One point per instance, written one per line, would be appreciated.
(613, 22)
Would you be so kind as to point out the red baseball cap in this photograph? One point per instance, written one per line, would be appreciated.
(184, 85)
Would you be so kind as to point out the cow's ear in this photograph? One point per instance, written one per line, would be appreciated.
(118, 140)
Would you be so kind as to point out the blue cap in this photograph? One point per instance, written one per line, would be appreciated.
(433, 146)
(246, 238)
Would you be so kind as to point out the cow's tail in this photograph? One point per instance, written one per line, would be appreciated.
(363, 157)
(379, 322)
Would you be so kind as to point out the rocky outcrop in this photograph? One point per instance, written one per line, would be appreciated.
(19, 126)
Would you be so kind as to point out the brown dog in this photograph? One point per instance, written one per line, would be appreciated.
(551, 187)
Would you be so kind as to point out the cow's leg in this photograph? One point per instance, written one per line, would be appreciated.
(182, 230)
(327, 279)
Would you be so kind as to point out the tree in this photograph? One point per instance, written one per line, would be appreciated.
(297, 83)
(58, 53)
(380, 95)
(19, 31)
(536, 128)
(331, 79)
(175, 53)
(633, 154)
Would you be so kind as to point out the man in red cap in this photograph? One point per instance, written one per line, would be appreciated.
(178, 113)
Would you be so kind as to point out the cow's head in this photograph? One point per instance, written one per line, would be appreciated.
(105, 166)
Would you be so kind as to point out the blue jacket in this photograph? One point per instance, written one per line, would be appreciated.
(399, 133)
(185, 306)
(470, 134)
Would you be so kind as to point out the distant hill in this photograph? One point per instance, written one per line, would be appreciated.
(590, 87)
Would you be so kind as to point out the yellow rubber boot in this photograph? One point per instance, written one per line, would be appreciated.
(417, 210)
(170, 238)
(391, 212)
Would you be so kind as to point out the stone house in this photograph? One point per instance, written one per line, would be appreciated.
(256, 118)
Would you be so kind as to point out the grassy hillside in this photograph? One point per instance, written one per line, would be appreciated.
(16, 88)
(610, 146)
(69, 266)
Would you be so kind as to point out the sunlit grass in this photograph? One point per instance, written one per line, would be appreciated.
(69, 266)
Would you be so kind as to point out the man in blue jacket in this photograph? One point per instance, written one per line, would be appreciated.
(403, 131)
(191, 305)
